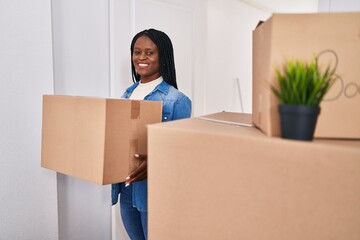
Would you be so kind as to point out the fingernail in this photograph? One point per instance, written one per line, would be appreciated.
(127, 184)
(137, 155)
(127, 178)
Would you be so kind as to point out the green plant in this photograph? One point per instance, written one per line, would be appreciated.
(302, 83)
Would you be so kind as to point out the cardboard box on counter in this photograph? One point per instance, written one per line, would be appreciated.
(212, 179)
(95, 139)
(302, 36)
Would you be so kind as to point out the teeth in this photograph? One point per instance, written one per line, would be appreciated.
(143, 64)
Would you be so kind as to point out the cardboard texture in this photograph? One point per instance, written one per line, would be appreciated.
(302, 36)
(95, 139)
(210, 180)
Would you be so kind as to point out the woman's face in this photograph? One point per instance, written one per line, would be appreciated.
(145, 58)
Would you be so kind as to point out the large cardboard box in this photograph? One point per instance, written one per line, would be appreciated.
(95, 139)
(211, 180)
(302, 36)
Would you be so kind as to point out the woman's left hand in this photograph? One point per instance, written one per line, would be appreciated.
(140, 173)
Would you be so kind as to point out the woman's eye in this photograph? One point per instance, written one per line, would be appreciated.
(149, 53)
(136, 52)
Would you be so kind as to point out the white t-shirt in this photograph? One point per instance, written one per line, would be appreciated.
(144, 89)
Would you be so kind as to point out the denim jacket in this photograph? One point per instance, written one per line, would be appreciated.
(176, 105)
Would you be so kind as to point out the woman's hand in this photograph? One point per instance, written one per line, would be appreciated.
(140, 173)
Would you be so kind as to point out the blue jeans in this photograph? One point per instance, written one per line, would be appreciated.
(134, 220)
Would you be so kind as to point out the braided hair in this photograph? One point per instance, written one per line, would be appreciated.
(166, 55)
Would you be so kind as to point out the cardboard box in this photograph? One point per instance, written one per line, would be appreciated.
(302, 36)
(211, 180)
(95, 138)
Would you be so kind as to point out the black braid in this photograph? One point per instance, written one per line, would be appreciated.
(166, 55)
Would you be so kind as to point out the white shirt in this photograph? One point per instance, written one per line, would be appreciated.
(144, 89)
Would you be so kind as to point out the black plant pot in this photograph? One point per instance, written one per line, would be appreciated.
(298, 122)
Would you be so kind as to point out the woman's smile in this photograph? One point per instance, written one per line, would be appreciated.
(143, 65)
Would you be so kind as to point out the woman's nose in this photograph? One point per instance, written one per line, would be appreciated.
(143, 56)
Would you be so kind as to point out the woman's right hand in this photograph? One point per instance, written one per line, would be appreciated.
(140, 173)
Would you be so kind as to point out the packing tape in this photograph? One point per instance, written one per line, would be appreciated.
(135, 109)
(133, 162)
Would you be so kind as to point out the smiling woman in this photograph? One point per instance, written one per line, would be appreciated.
(153, 72)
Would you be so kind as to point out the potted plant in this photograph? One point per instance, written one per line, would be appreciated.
(300, 90)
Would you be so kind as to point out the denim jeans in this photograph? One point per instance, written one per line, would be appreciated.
(134, 220)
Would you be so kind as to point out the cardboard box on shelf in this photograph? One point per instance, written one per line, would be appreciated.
(95, 139)
(220, 180)
(302, 36)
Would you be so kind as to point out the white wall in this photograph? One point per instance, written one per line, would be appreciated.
(28, 208)
(339, 5)
(229, 55)
(285, 6)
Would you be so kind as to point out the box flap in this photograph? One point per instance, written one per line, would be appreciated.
(241, 119)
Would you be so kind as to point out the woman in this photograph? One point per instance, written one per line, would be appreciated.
(154, 77)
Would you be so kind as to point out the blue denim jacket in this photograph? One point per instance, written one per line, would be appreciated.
(176, 105)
